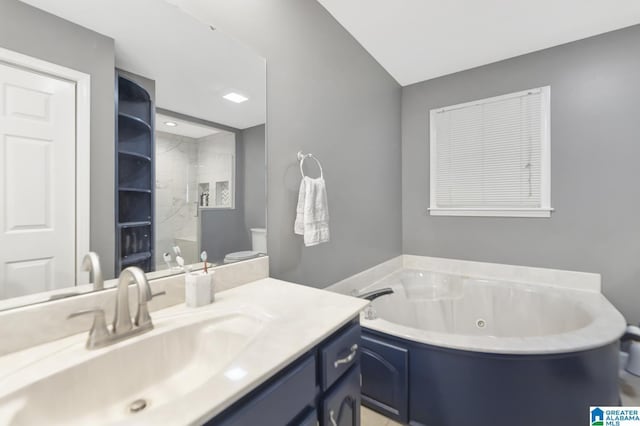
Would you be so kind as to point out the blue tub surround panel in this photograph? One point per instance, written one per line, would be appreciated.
(135, 180)
(472, 343)
(450, 387)
(300, 393)
(385, 384)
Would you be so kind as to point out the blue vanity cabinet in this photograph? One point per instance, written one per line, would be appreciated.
(385, 378)
(322, 388)
(309, 419)
(339, 354)
(280, 402)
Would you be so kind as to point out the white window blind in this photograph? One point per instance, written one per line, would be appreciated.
(491, 157)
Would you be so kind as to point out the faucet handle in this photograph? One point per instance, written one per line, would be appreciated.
(99, 332)
(86, 312)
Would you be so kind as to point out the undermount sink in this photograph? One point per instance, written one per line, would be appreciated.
(111, 384)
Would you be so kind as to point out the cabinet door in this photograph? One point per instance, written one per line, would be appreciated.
(341, 406)
(385, 382)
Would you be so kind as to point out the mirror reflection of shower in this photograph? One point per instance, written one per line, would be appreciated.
(195, 170)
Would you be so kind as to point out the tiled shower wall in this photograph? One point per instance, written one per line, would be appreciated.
(181, 164)
(176, 196)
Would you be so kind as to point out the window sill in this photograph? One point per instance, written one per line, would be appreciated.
(540, 213)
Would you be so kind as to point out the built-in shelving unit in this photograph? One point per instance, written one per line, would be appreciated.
(135, 175)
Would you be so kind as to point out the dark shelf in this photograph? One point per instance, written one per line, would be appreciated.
(135, 206)
(145, 191)
(134, 135)
(129, 90)
(134, 224)
(135, 175)
(136, 257)
(135, 154)
(135, 171)
(132, 118)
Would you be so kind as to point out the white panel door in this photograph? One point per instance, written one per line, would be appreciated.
(37, 182)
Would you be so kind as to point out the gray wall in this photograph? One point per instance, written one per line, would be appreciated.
(595, 177)
(223, 231)
(328, 96)
(255, 199)
(36, 33)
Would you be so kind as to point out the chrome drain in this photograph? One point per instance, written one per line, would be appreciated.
(137, 405)
(480, 323)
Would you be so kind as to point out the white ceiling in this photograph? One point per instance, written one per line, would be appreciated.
(416, 40)
(192, 65)
(186, 128)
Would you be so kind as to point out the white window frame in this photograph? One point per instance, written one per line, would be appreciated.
(544, 211)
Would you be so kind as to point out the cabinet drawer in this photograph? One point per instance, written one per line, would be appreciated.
(341, 406)
(338, 355)
(277, 404)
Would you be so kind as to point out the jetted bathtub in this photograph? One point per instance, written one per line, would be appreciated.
(445, 350)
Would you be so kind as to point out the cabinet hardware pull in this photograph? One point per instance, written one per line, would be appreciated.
(348, 358)
(333, 420)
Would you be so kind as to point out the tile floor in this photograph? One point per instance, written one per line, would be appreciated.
(629, 389)
(371, 418)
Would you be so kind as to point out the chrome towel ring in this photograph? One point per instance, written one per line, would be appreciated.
(302, 157)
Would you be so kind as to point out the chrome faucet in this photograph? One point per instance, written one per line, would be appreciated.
(369, 311)
(122, 319)
(374, 294)
(123, 327)
(91, 264)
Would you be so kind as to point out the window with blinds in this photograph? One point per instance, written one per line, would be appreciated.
(492, 157)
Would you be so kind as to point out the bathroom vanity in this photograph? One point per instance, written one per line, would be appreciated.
(323, 385)
(267, 352)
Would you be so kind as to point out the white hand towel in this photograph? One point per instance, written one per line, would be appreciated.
(312, 212)
(298, 225)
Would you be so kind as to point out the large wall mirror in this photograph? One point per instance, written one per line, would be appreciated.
(130, 129)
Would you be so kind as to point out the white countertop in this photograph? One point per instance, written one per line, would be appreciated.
(298, 318)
